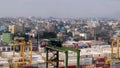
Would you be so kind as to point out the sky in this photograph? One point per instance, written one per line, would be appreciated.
(60, 8)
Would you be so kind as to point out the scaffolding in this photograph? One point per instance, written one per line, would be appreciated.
(55, 57)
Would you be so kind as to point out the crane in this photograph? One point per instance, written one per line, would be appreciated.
(115, 41)
(22, 43)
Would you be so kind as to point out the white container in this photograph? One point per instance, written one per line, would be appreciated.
(41, 65)
(85, 56)
(95, 55)
(16, 59)
(90, 67)
(8, 54)
(86, 61)
(95, 47)
(105, 46)
(4, 63)
(72, 62)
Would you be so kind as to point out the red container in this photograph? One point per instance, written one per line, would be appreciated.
(70, 66)
(106, 66)
(100, 59)
(100, 65)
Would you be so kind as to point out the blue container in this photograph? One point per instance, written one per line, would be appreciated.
(85, 46)
(115, 63)
(81, 47)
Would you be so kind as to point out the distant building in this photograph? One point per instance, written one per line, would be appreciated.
(94, 22)
(6, 37)
(59, 35)
(2, 27)
(15, 29)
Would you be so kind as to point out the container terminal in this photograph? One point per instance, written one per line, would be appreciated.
(55, 54)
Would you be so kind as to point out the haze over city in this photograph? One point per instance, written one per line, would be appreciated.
(60, 8)
(59, 33)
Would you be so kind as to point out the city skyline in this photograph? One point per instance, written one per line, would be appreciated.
(60, 8)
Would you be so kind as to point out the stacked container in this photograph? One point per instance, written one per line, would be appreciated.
(115, 64)
(100, 60)
(8, 54)
(89, 66)
(86, 61)
(4, 63)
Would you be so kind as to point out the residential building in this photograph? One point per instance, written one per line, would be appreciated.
(15, 29)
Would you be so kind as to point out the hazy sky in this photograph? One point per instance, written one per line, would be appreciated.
(60, 8)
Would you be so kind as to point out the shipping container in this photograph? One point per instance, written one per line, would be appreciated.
(89, 66)
(85, 61)
(100, 60)
(106, 66)
(71, 66)
(41, 65)
(114, 66)
(100, 65)
(115, 63)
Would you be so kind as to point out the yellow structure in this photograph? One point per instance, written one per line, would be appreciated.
(117, 39)
(22, 44)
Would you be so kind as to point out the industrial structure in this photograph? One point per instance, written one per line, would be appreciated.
(55, 57)
(20, 42)
(23, 57)
(115, 42)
